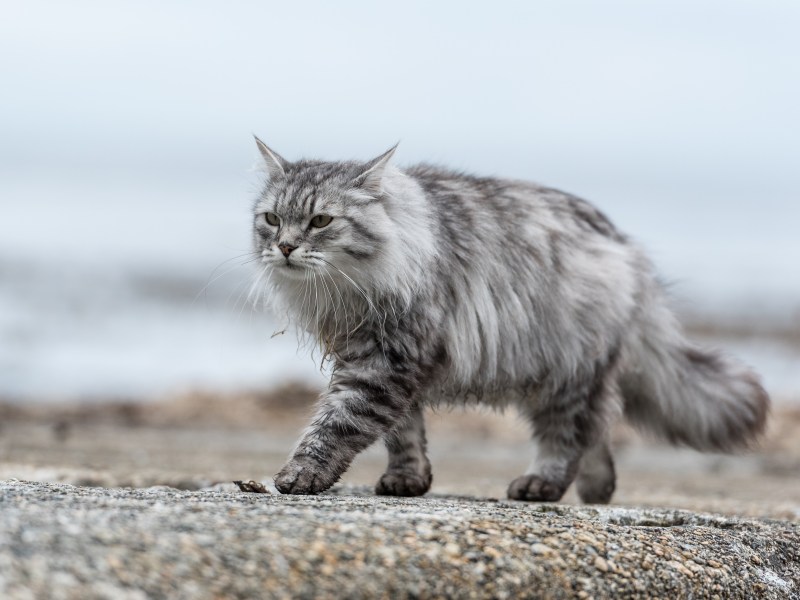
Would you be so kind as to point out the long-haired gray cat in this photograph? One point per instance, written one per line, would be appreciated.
(426, 285)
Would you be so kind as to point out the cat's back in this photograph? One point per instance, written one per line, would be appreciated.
(456, 190)
(513, 205)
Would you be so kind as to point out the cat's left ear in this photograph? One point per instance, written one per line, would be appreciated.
(276, 164)
(369, 179)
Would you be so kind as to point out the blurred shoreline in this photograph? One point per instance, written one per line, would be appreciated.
(254, 361)
(236, 354)
(94, 333)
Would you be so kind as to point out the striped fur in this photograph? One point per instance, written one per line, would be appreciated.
(432, 286)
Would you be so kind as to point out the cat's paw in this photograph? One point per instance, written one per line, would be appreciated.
(595, 492)
(402, 483)
(300, 476)
(535, 489)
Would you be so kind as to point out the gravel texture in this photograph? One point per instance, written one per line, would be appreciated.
(62, 541)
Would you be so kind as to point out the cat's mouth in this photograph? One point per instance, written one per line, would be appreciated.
(296, 265)
(292, 268)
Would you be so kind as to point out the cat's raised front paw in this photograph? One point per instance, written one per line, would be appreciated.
(303, 477)
(535, 489)
(401, 483)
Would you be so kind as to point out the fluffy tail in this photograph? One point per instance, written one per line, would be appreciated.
(686, 395)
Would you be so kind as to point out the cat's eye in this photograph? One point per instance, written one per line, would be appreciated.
(272, 219)
(321, 221)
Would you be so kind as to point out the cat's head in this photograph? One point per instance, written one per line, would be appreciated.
(325, 218)
(329, 233)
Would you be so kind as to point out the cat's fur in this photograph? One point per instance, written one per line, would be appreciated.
(433, 286)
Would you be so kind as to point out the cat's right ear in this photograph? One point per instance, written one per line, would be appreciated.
(276, 164)
(370, 177)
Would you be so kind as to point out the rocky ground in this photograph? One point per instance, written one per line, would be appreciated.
(198, 536)
(69, 542)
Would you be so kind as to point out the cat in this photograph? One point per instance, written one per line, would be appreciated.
(426, 285)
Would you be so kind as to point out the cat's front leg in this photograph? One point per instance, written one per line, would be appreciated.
(409, 470)
(354, 412)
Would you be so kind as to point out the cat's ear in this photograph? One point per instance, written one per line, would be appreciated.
(369, 179)
(276, 164)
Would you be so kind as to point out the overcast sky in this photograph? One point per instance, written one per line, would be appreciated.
(496, 87)
(679, 118)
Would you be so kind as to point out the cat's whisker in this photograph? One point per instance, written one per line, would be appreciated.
(338, 291)
(253, 294)
(318, 330)
(356, 286)
(212, 278)
(305, 295)
(381, 318)
(343, 304)
(308, 336)
(240, 290)
(333, 303)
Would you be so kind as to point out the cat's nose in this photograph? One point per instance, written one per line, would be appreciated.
(286, 249)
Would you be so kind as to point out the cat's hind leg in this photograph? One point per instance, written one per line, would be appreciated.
(409, 471)
(568, 420)
(596, 478)
(552, 470)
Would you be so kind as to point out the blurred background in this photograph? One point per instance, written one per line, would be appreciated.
(127, 162)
